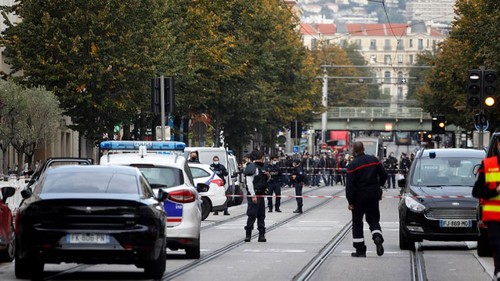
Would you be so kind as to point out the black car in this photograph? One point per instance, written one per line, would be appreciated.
(437, 204)
(90, 214)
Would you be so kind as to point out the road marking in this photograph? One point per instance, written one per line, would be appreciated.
(274, 251)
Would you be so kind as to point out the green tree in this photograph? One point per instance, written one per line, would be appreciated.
(473, 42)
(30, 116)
(97, 56)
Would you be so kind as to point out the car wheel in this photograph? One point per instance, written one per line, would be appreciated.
(193, 252)
(239, 199)
(483, 246)
(28, 268)
(206, 208)
(7, 255)
(155, 269)
(404, 242)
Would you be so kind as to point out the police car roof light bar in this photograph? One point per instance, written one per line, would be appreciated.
(150, 145)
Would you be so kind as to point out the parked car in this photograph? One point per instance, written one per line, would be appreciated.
(7, 236)
(214, 199)
(436, 203)
(483, 242)
(166, 169)
(91, 214)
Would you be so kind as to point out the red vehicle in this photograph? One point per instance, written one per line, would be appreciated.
(338, 140)
(7, 235)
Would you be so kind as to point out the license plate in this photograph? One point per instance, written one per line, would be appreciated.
(455, 223)
(87, 238)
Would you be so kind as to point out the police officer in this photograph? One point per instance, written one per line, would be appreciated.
(365, 176)
(487, 188)
(220, 171)
(256, 178)
(297, 179)
(274, 184)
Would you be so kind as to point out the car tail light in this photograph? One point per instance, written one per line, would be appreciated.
(219, 182)
(181, 196)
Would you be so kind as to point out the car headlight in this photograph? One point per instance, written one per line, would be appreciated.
(414, 205)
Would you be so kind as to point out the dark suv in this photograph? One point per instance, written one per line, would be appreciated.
(436, 202)
(483, 242)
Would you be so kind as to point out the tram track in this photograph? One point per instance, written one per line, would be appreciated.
(231, 246)
(417, 264)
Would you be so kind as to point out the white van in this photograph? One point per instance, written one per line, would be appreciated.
(205, 156)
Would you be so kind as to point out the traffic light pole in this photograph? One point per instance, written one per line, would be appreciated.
(162, 106)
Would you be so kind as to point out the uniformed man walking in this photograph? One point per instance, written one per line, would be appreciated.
(487, 188)
(274, 184)
(256, 178)
(365, 176)
(297, 180)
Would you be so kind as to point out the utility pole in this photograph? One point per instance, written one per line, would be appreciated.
(324, 115)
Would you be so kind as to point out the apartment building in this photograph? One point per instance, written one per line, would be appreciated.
(438, 11)
(390, 49)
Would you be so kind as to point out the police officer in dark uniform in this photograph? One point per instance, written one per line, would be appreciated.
(297, 179)
(256, 178)
(274, 184)
(365, 176)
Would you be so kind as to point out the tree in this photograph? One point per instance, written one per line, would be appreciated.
(473, 42)
(97, 56)
(30, 116)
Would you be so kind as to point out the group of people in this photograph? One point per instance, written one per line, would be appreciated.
(393, 167)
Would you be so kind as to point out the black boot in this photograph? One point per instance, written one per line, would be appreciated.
(378, 242)
(360, 252)
(248, 235)
(299, 210)
(262, 237)
(270, 209)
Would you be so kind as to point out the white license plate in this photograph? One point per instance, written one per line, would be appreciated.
(87, 238)
(455, 223)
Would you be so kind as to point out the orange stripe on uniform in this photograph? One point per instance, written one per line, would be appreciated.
(363, 166)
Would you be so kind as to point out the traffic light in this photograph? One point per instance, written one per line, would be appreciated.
(296, 129)
(489, 88)
(441, 124)
(474, 89)
(169, 98)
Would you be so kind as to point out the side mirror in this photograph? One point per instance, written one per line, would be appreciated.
(7, 192)
(162, 195)
(201, 187)
(26, 193)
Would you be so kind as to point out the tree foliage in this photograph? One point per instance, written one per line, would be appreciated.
(473, 42)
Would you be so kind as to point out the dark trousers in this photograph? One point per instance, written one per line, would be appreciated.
(367, 203)
(274, 187)
(494, 235)
(298, 192)
(257, 212)
(391, 179)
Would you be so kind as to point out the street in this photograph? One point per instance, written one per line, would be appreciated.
(315, 245)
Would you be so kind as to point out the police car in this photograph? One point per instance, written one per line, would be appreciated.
(215, 198)
(163, 165)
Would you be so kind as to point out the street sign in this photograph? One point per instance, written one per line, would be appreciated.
(323, 146)
(295, 149)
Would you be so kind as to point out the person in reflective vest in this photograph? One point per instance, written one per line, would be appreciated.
(487, 189)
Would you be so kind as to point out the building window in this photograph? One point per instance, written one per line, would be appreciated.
(400, 44)
(400, 78)
(420, 44)
(373, 44)
(387, 59)
(387, 45)
(411, 43)
(410, 59)
(387, 77)
(314, 44)
(400, 58)
(373, 58)
(358, 43)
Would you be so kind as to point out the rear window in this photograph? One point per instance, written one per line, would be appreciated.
(162, 176)
(445, 171)
(198, 172)
(90, 183)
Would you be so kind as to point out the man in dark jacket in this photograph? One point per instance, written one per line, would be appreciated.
(365, 176)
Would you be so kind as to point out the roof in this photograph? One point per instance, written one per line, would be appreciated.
(93, 169)
(453, 152)
(150, 158)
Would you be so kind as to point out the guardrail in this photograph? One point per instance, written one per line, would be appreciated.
(378, 113)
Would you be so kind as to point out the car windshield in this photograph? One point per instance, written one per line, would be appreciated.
(161, 177)
(96, 183)
(445, 171)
